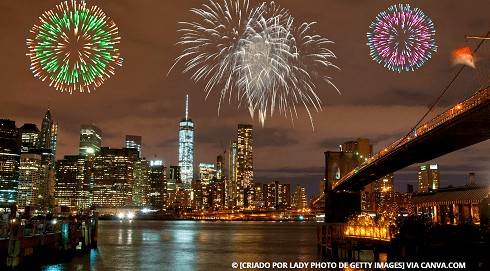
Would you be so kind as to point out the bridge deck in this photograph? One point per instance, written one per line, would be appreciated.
(463, 125)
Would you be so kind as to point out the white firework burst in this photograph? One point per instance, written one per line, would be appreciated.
(257, 53)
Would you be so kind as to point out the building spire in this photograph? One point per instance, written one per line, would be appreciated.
(186, 106)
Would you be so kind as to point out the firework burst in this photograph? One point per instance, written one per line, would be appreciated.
(74, 47)
(402, 39)
(256, 54)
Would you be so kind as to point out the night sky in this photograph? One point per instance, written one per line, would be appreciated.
(141, 99)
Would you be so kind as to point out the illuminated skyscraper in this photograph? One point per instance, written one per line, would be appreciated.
(30, 137)
(157, 195)
(49, 136)
(10, 143)
(73, 175)
(90, 139)
(231, 186)
(300, 199)
(29, 177)
(244, 162)
(186, 147)
(141, 183)
(277, 195)
(173, 180)
(113, 177)
(206, 172)
(219, 167)
(429, 178)
(134, 141)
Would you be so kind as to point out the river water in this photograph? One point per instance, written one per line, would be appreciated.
(195, 245)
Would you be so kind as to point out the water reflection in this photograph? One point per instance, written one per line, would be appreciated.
(195, 245)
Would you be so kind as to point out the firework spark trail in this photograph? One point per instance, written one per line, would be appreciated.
(402, 39)
(257, 55)
(74, 47)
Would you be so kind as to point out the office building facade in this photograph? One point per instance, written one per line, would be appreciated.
(428, 178)
(10, 145)
(134, 141)
(90, 140)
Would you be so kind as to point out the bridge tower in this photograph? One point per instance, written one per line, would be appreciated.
(339, 205)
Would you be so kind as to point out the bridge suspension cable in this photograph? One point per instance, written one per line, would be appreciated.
(483, 38)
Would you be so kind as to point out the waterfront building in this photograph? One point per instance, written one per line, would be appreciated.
(113, 174)
(73, 177)
(244, 164)
(90, 140)
(428, 178)
(157, 194)
(134, 141)
(454, 205)
(29, 177)
(30, 137)
(10, 144)
(186, 147)
(300, 199)
(277, 195)
(141, 183)
(258, 201)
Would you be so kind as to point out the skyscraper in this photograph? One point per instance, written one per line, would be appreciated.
(48, 138)
(10, 143)
(174, 179)
(90, 139)
(219, 167)
(277, 195)
(231, 185)
(299, 199)
(49, 135)
(30, 137)
(73, 182)
(206, 171)
(157, 195)
(244, 162)
(141, 182)
(186, 147)
(429, 178)
(134, 141)
(113, 177)
(29, 177)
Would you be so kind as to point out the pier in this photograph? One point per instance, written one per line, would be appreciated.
(22, 240)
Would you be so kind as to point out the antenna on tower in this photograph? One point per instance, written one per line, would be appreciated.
(186, 106)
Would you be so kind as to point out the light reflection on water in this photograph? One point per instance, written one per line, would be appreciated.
(195, 245)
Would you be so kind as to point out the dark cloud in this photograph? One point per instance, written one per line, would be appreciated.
(275, 137)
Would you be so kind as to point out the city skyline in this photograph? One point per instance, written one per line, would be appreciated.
(384, 112)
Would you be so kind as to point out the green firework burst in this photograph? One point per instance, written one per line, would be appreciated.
(74, 47)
